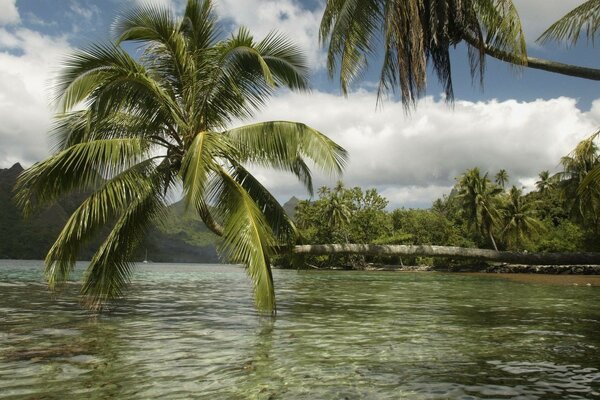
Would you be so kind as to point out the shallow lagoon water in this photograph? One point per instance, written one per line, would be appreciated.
(190, 331)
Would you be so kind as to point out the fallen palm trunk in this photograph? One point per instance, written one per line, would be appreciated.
(452, 252)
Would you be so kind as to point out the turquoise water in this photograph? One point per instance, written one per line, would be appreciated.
(190, 331)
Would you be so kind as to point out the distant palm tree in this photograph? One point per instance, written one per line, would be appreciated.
(337, 209)
(502, 178)
(519, 218)
(545, 183)
(415, 32)
(479, 201)
(132, 129)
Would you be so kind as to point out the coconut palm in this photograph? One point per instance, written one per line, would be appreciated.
(131, 129)
(545, 183)
(337, 210)
(519, 218)
(420, 33)
(502, 178)
(579, 181)
(585, 17)
(479, 202)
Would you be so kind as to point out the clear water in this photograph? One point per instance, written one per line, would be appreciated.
(190, 331)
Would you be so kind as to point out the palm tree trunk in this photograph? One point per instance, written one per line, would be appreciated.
(580, 258)
(538, 63)
(493, 241)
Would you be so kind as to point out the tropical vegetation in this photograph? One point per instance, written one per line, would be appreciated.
(131, 130)
(559, 214)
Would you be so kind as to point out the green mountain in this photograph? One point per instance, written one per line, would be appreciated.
(290, 206)
(181, 237)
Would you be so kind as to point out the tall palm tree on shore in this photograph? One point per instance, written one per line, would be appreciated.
(478, 198)
(502, 178)
(519, 218)
(417, 34)
(132, 129)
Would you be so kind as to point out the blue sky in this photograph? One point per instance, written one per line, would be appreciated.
(522, 120)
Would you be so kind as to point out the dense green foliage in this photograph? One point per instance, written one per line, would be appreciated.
(559, 215)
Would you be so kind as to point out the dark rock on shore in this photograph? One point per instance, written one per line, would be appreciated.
(545, 269)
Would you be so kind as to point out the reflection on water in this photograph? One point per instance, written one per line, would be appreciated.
(191, 331)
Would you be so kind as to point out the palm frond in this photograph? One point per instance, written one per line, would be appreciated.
(584, 18)
(199, 24)
(247, 237)
(114, 196)
(110, 270)
(198, 163)
(284, 145)
(81, 166)
(282, 226)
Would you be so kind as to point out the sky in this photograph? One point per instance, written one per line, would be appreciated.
(521, 120)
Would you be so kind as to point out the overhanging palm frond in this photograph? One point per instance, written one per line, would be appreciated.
(113, 197)
(415, 33)
(584, 18)
(110, 270)
(247, 237)
(282, 226)
(284, 145)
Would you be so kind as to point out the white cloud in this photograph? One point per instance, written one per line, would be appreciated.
(9, 14)
(538, 15)
(27, 62)
(286, 16)
(413, 159)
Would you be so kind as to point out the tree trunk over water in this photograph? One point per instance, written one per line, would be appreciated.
(453, 252)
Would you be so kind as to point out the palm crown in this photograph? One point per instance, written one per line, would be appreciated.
(131, 129)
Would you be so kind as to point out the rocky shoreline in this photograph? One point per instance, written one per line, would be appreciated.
(494, 268)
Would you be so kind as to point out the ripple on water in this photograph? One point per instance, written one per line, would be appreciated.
(191, 331)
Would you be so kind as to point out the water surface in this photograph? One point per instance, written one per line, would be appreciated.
(190, 331)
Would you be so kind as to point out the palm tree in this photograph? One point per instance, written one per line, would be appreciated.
(130, 130)
(337, 210)
(545, 183)
(415, 32)
(585, 17)
(502, 178)
(580, 179)
(519, 218)
(478, 198)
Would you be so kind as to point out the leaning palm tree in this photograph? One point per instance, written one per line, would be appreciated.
(417, 34)
(131, 129)
(519, 218)
(479, 202)
(502, 178)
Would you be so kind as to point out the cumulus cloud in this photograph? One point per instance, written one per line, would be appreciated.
(27, 62)
(413, 159)
(286, 16)
(9, 14)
